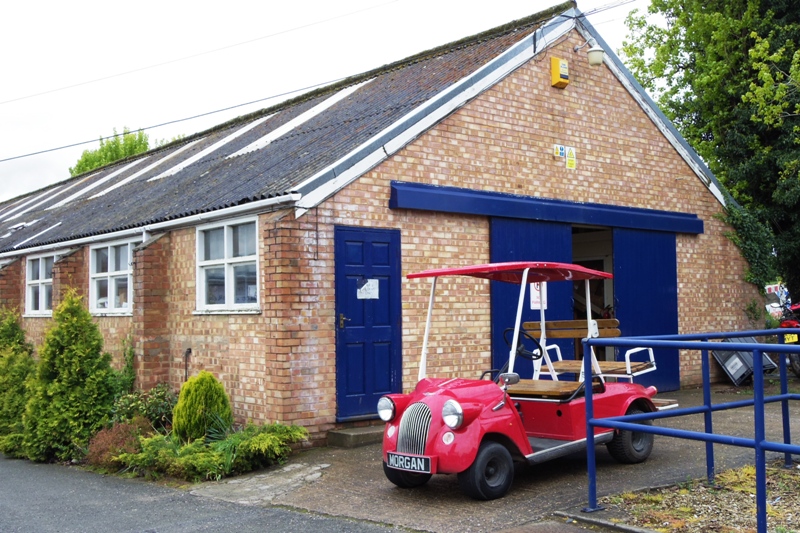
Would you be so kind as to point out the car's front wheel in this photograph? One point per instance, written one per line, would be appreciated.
(403, 479)
(490, 475)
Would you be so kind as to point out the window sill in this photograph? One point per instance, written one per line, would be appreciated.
(100, 312)
(38, 315)
(250, 311)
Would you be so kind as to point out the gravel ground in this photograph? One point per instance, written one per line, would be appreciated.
(727, 507)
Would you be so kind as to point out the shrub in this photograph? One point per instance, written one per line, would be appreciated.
(201, 403)
(257, 447)
(125, 378)
(71, 394)
(120, 438)
(11, 332)
(11, 445)
(241, 451)
(16, 367)
(156, 405)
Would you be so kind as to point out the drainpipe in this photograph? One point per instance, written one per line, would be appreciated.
(186, 355)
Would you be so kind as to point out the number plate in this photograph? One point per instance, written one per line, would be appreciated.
(790, 338)
(412, 463)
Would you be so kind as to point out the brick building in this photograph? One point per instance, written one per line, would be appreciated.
(271, 250)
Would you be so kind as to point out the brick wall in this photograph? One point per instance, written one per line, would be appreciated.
(151, 288)
(12, 285)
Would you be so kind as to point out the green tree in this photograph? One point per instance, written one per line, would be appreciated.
(71, 394)
(696, 57)
(112, 149)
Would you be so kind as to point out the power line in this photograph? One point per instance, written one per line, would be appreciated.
(176, 121)
(171, 121)
(199, 54)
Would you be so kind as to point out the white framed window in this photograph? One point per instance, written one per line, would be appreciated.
(111, 277)
(227, 266)
(39, 285)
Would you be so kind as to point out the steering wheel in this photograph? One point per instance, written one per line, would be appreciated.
(522, 350)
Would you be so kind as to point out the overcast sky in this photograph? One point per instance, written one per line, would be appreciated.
(74, 71)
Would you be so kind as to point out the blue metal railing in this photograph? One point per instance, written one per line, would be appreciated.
(704, 342)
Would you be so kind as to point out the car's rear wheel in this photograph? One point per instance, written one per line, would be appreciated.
(794, 364)
(631, 447)
(403, 479)
(490, 475)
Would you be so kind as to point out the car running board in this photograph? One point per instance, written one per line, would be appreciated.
(548, 449)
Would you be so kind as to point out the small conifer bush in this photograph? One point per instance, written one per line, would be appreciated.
(71, 393)
(202, 404)
(16, 365)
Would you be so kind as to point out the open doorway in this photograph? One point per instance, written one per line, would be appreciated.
(592, 247)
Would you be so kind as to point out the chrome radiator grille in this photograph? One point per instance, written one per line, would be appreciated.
(414, 428)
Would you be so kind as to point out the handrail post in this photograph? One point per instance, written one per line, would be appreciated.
(787, 434)
(760, 436)
(591, 462)
(707, 414)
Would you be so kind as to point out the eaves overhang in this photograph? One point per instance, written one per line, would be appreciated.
(286, 201)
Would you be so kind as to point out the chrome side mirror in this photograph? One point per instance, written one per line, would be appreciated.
(511, 378)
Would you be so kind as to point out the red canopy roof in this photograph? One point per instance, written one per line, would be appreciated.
(512, 272)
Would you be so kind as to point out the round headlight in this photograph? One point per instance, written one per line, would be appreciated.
(452, 414)
(386, 409)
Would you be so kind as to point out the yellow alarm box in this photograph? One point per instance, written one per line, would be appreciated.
(559, 72)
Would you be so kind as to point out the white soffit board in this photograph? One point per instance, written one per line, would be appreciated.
(96, 184)
(213, 148)
(147, 168)
(298, 120)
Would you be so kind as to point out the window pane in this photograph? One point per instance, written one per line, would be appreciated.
(213, 244)
(101, 260)
(101, 292)
(244, 240)
(215, 286)
(121, 292)
(48, 268)
(34, 298)
(48, 296)
(120, 257)
(34, 269)
(245, 284)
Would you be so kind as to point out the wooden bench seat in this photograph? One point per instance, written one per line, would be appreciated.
(573, 329)
(579, 329)
(543, 388)
(606, 367)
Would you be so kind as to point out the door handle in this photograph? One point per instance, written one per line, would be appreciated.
(342, 320)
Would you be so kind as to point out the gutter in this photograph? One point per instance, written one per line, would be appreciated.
(145, 231)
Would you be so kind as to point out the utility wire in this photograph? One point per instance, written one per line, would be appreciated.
(588, 13)
(199, 54)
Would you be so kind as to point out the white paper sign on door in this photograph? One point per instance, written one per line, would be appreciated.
(539, 296)
(367, 289)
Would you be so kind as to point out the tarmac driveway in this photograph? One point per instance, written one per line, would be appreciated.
(350, 482)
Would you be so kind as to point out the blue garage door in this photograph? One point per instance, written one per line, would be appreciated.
(528, 240)
(646, 296)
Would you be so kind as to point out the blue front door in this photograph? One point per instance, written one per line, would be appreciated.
(368, 350)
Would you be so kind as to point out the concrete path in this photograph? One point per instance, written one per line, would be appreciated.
(350, 482)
